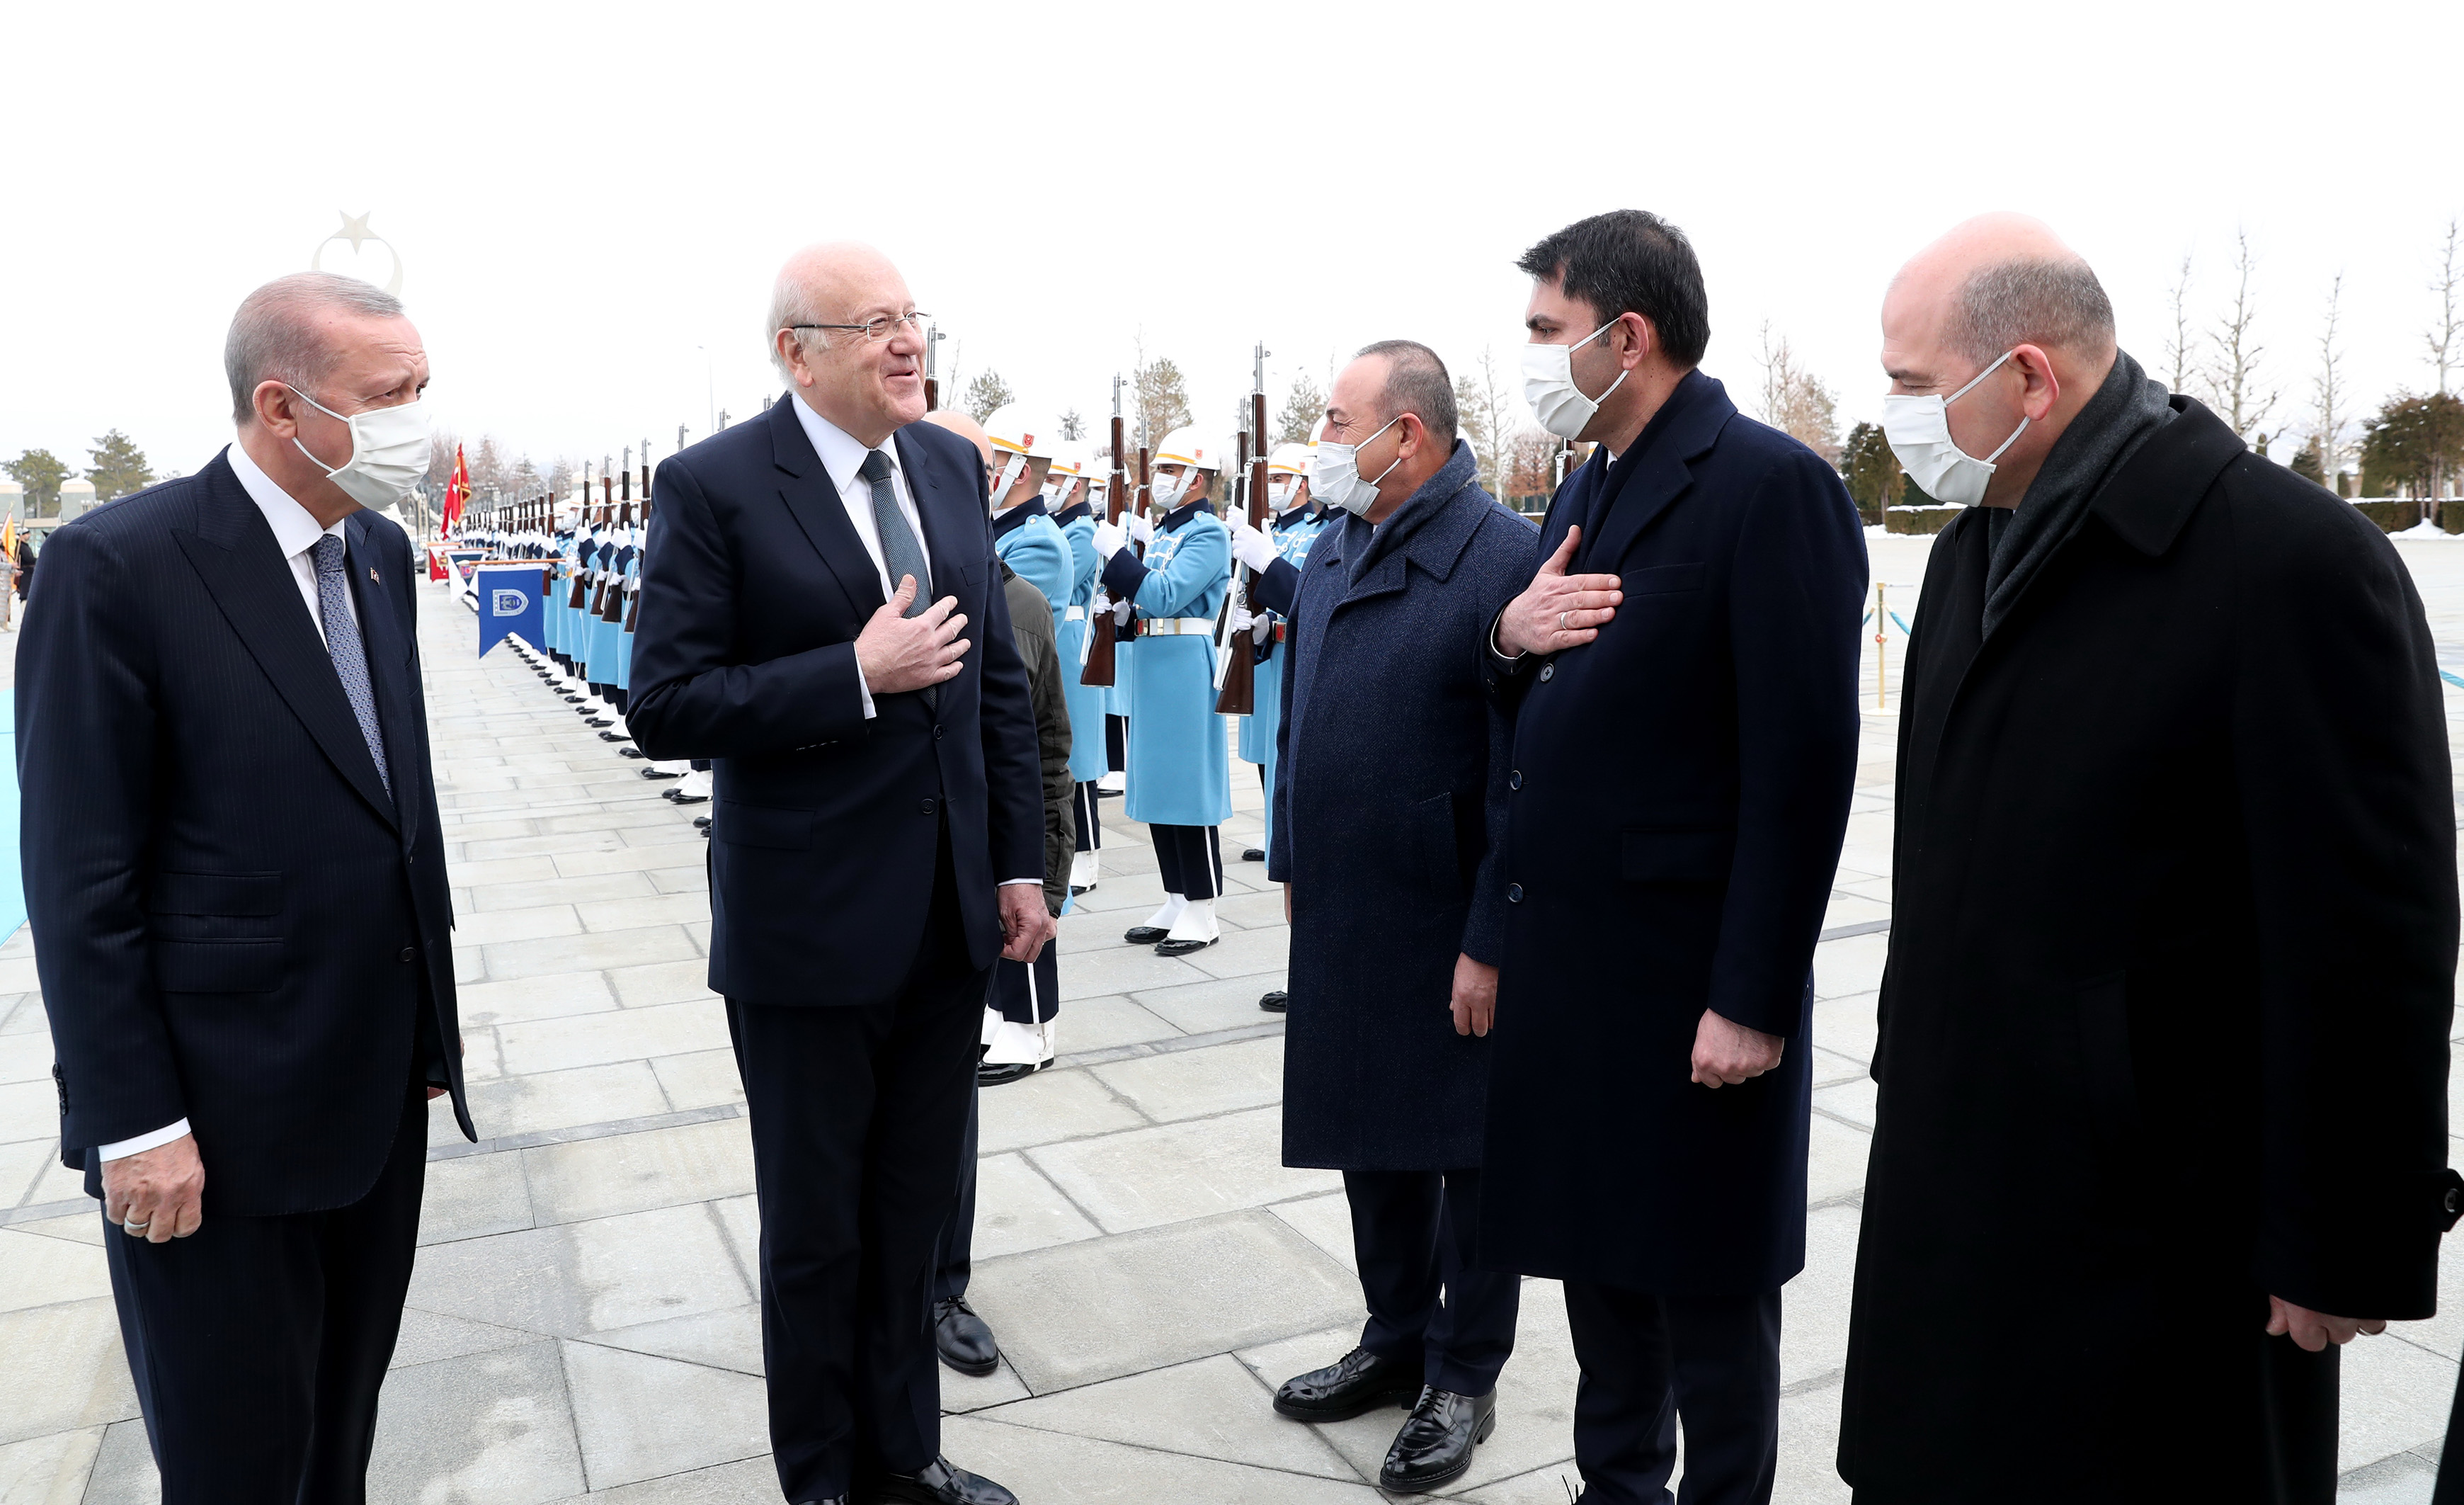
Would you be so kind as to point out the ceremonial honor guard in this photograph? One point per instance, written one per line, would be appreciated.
(1076, 503)
(1180, 767)
(1275, 561)
(1018, 1015)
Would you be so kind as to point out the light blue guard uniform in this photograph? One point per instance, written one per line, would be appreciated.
(1293, 533)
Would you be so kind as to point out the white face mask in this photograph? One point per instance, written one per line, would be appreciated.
(1280, 492)
(1165, 495)
(1334, 472)
(388, 451)
(1006, 477)
(1548, 386)
(1919, 431)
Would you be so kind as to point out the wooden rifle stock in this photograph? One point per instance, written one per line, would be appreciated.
(1099, 669)
(1239, 696)
(612, 594)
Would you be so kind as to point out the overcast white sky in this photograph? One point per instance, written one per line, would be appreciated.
(585, 198)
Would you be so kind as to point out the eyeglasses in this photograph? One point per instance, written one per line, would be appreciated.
(880, 328)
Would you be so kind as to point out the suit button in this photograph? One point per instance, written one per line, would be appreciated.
(928, 806)
(1514, 893)
(410, 857)
(1514, 779)
(1548, 672)
(407, 952)
(936, 732)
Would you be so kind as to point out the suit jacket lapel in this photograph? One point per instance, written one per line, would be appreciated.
(1654, 471)
(942, 504)
(374, 577)
(234, 552)
(812, 500)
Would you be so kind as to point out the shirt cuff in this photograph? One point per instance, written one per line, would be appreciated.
(1011, 883)
(1511, 660)
(122, 1149)
(864, 690)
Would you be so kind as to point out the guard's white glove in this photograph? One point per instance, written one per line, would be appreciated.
(1249, 545)
(1243, 619)
(1141, 530)
(1109, 539)
(1122, 613)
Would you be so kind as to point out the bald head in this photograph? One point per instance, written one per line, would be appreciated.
(1998, 281)
(965, 428)
(866, 386)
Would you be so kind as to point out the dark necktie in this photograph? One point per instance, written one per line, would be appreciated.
(342, 643)
(900, 552)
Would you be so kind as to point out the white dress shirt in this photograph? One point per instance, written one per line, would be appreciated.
(294, 533)
(842, 457)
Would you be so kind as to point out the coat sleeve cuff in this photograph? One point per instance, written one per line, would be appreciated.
(1123, 575)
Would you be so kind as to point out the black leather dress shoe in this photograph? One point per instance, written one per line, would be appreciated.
(614, 737)
(1435, 1446)
(962, 1340)
(701, 822)
(631, 752)
(654, 773)
(1358, 1381)
(936, 1484)
(1181, 948)
(1252, 855)
(1274, 1003)
(680, 797)
(994, 1073)
(1144, 935)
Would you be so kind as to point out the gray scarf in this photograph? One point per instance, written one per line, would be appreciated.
(2122, 415)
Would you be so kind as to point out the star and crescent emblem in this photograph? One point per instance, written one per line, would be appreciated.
(354, 230)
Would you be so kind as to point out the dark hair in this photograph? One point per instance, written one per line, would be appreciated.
(1629, 261)
(1417, 383)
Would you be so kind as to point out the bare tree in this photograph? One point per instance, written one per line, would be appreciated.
(1485, 404)
(1303, 406)
(2235, 378)
(1073, 426)
(2444, 350)
(2328, 387)
(2182, 349)
(1796, 402)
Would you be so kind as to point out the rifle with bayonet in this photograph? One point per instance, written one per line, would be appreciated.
(1098, 669)
(1236, 667)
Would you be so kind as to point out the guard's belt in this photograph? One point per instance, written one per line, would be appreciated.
(1178, 625)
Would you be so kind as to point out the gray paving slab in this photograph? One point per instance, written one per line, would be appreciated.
(1063, 1319)
(495, 1426)
(639, 1416)
(1144, 1178)
(1047, 1466)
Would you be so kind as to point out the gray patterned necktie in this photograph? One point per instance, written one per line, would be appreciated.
(342, 642)
(900, 552)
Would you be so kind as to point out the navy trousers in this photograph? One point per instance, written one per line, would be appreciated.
(954, 1256)
(857, 1117)
(1648, 1361)
(1429, 1300)
(258, 1344)
(1189, 859)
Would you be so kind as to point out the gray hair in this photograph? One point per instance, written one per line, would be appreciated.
(1417, 383)
(2039, 300)
(791, 303)
(274, 337)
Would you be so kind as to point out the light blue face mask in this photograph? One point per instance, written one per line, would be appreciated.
(1334, 472)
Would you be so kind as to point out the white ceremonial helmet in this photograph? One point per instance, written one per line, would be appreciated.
(1068, 457)
(1015, 429)
(1186, 446)
(1287, 459)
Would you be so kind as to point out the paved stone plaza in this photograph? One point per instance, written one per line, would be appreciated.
(582, 1321)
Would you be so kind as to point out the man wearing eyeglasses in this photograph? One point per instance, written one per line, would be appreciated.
(823, 617)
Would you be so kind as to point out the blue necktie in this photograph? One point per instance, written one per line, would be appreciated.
(342, 643)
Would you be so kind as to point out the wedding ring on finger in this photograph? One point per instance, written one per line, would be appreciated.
(132, 1228)
(1561, 623)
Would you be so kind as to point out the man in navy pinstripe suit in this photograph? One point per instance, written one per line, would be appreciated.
(250, 1005)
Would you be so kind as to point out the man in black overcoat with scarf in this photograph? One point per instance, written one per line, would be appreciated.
(2163, 1058)
(1684, 747)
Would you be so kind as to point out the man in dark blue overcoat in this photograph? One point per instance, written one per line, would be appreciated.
(1389, 808)
(1683, 670)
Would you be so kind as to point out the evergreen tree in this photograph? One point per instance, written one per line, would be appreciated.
(40, 472)
(1303, 406)
(1875, 480)
(986, 395)
(118, 467)
(1163, 401)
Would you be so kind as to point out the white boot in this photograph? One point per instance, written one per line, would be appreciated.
(1159, 923)
(1193, 931)
(1082, 873)
(617, 731)
(1114, 780)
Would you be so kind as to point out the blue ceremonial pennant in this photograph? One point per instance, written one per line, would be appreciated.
(511, 601)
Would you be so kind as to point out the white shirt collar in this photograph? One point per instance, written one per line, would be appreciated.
(296, 530)
(841, 452)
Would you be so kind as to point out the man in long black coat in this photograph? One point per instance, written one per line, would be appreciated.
(1389, 804)
(1684, 747)
(2163, 1056)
